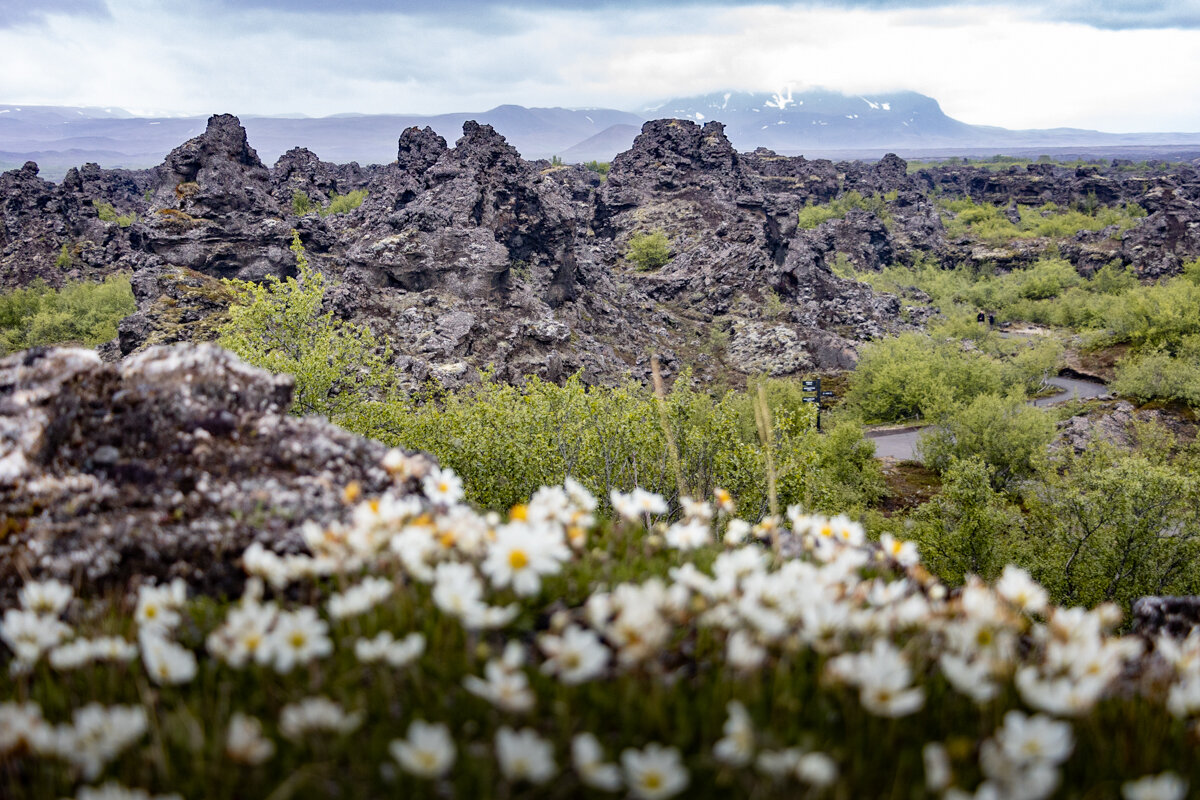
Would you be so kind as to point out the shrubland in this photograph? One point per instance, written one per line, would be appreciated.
(813, 214)
(990, 223)
(83, 313)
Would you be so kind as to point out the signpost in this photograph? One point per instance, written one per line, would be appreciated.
(813, 387)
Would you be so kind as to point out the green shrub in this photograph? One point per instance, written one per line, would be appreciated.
(1159, 375)
(301, 203)
(107, 213)
(343, 203)
(64, 259)
(649, 250)
(918, 375)
(611, 438)
(340, 368)
(1005, 433)
(812, 215)
(1113, 525)
(601, 168)
(83, 313)
(967, 528)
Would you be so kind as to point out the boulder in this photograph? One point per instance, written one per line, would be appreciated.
(167, 464)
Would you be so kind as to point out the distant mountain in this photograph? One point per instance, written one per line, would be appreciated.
(817, 122)
(822, 120)
(60, 138)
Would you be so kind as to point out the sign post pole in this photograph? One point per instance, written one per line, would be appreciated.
(813, 387)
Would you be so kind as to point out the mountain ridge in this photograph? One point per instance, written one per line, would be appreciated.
(816, 121)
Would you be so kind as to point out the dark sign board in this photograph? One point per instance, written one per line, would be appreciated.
(826, 393)
(811, 386)
(810, 399)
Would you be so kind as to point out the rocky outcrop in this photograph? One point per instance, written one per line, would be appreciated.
(468, 257)
(168, 464)
(213, 209)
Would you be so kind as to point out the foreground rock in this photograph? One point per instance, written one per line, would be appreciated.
(167, 465)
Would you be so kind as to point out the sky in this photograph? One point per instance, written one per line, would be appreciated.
(1114, 65)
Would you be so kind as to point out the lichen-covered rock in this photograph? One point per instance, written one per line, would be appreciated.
(1173, 616)
(167, 464)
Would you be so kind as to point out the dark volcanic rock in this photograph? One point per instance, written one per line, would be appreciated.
(213, 209)
(167, 464)
(1173, 616)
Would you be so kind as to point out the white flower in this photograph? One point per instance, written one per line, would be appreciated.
(778, 763)
(588, 760)
(317, 714)
(506, 688)
(634, 506)
(456, 588)
(937, 766)
(743, 653)
(49, 598)
(576, 656)
(112, 790)
(80, 652)
(654, 772)
(298, 638)
(816, 769)
(243, 637)
(427, 751)
(970, 678)
(736, 747)
(521, 554)
(1183, 700)
(737, 532)
(443, 486)
(524, 756)
(689, 534)
(158, 606)
(245, 743)
(20, 725)
(1037, 739)
(903, 553)
(165, 661)
(384, 647)
(1022, 591)
(97, 735)
(29, 634)
(360, 599)
(265, 564)
(1167, 786)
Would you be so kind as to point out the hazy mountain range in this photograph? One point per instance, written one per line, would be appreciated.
(814, 123)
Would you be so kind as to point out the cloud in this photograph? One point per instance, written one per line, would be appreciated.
(985, 63)
(14, 13)
(1105, 14)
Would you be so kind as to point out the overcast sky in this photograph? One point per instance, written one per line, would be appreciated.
(1117, 65)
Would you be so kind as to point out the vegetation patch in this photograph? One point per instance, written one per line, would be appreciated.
(813, 214)
(81, 313)
(649, 251)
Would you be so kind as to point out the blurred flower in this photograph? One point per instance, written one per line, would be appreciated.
(524, 756)
(427, 751)
(244, 741)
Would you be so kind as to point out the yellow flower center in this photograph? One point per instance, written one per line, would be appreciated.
(426, 759)
(373, 504)
(652, 780)
(571, 660)
(519, 512)
(517, 559)
(897, 546)
(826, 531)
(447, 540)
(297, 640)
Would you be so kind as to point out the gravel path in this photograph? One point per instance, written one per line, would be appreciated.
(901, 443)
